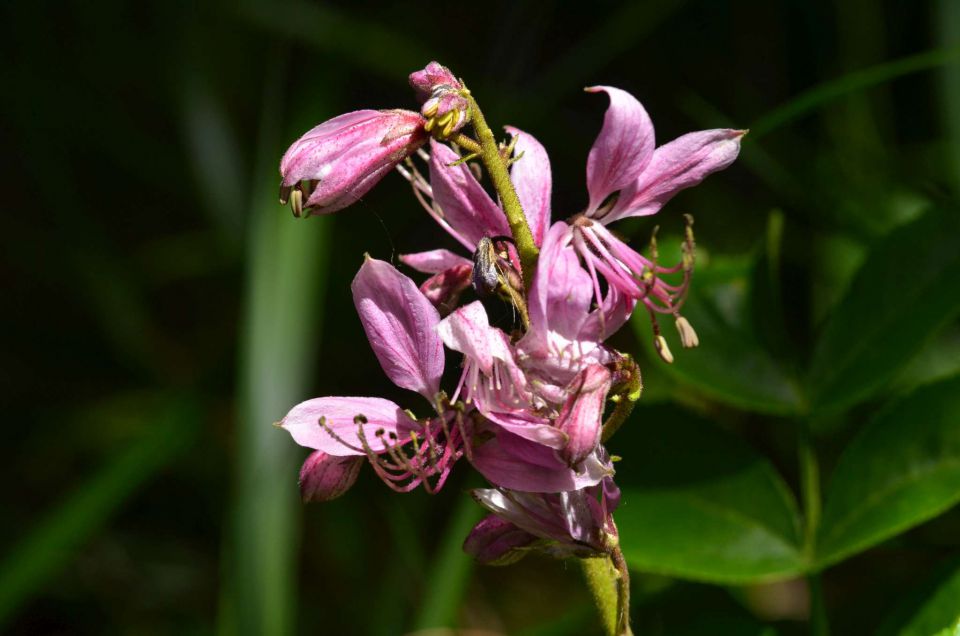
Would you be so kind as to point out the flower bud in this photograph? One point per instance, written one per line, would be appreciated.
(324, 477)
(337, 162)
(444, 105)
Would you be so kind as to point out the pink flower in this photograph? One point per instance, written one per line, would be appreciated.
(628, 176)
(400, 324)
(337, 162)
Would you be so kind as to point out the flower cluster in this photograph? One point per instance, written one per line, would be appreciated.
(533, 403)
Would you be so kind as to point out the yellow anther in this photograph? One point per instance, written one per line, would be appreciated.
(663, 349)
(688, 337)
(430, 124)
(296, 202)
(431, 110)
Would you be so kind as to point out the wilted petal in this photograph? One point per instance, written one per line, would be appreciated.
(434, 261)
(324, 477)
(400, 324)
(494, 541)
(680, 164)
(344, 157)
(345, 417)
(582, 414)
(512, 462)
(466, 206)
(532, 180)
(622, 149)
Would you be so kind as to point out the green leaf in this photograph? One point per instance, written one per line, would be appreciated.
(699, 504)
(901, 470)
(56, 539)
(730, 365)
(904, 292)
(930, 608)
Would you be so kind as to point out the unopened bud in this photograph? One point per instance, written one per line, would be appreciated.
(688, 337)
(444, 105)
(337, 162)
(663, 349)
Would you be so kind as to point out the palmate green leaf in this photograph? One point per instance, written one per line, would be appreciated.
(701, 505)
(932, 608)
(901, 470)
(905, 291)
(730, 365)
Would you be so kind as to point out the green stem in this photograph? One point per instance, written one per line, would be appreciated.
(609, 583)
(500, 177)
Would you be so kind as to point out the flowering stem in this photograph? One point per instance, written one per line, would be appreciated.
(496, 167)
(609, 582)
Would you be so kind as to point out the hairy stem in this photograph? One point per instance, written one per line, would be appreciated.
(609, 583)
(496, 167)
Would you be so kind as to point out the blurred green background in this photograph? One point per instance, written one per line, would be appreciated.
(162, 310)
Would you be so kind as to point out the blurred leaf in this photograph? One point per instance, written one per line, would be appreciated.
(699, 504)
(932, 606)
(901, 470)
(282, 317)
(330, 29)
(904, 292)
(729, 365)
(450, 569)
(810, 100)
(696, 610)
(948, 24)
(54, 541)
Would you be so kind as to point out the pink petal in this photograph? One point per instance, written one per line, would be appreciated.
(622, 149)
(533, 182)
(400, 324)
(434, 261)
(443, 290)
(345, 416)
(560, 297)
(680, 164)
(468, 331)
(582, 414)
(325, 477)
(528, 426)
(512, 462)
(465, 204)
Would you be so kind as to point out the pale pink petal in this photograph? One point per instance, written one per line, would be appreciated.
(622, 149)
(400, 323)
(434, 261)
(532, 180)
(529, 426)
(582, 414)
(466, 206)
(345, 417)
(325, 477)
(560, 297)
(680, 164)
(468, 331)
(512, 462)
